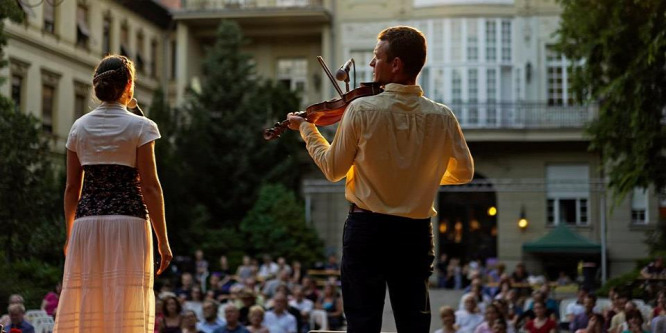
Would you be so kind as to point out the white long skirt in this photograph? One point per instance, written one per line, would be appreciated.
(108, 280)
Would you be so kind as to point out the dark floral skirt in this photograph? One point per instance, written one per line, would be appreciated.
(111, 189)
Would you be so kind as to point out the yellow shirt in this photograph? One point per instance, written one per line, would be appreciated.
(395, 149)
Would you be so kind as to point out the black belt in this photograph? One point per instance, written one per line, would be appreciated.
(356, 209)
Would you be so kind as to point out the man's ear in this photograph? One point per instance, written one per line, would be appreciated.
(397, 65)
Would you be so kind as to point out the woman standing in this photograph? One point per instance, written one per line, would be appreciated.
(108, 279)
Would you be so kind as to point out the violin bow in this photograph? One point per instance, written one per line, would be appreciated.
(330, 76)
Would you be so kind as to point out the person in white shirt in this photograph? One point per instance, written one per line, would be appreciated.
(448, 317)
(303, 304)
(268, 269)
(469, 318)
(279, 320)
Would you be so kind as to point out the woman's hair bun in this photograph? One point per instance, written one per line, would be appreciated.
(112, 76)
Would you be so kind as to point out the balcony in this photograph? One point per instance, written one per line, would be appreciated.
(257, 18)
(523, 115)
(526, 122)
(249, 4)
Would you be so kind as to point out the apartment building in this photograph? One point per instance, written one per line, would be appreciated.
(491, 61)
(52, 55)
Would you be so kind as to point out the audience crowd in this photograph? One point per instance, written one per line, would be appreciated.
(275, 297)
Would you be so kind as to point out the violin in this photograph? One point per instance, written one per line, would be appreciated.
(327, 112)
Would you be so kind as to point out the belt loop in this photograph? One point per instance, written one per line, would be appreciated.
(351, 207)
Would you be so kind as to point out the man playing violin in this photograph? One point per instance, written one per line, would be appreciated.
(395, 148)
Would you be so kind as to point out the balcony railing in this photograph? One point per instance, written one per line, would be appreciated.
(522, 115)
(249, 4)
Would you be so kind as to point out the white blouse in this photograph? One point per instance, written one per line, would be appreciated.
(110, 135)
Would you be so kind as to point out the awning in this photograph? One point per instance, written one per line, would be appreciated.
(562, 240)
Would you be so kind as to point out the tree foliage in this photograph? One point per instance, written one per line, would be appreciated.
(276, 225)
(212, 158)
(622, 47)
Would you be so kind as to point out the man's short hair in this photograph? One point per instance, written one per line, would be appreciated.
(16, 307)
(408, 44)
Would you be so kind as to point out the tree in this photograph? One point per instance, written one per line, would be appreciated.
(212, 158)
(621, 48)
(30, 210)
(276, 225)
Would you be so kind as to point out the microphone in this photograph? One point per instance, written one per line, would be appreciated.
(343, 72)
(133, 106)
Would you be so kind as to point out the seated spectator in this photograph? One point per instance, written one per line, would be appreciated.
(541, 323)
(13, 299)
(468, 318)
(247, 301)
(171, 319)
(245, 270)
(50, 301)
(661, 304)
(278, 319)
(476, 291)
(186, 284)
(332, 263)
(654, 269)
(563, 279)
(211, 321)
(16, 313)
(581, 320)
(256, 320)
(658, 324)
(492, 313)
(190, 322)
(502, 289)
(297, 272)
(576, 308)
(635, 322)
(551, 304)
(616, 306)
(310, 289)
(232, 315)
(500, 326)
(331, 302)
(196, 303)
(513, 302)
(283, 266)
(271, 285)
(201, 264)
(537, 296)
(268, 269)
(303, 305)
(619, 321)
(448, 317)
(519, 280)
(594, 325)
(496, 274)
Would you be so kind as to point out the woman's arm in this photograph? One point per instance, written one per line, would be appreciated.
(72, 191)
(152, 194)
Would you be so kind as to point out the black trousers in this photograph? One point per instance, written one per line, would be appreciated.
(383, 250)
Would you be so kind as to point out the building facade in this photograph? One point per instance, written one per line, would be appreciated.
(491, 61)
(52, 55)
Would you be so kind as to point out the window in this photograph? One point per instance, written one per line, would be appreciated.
(124, 38)
(293, 73)
(17, 92)
(106, 36)
(473, 95)
(140, 63)
(49, 16)
(558, 78)
(456, 86)
(48, 99)
(639, 205)
(506, 40)
(456, 40)
(491, 41)
(491, 95)
(81, 91)
(82, 31)
(567, 194)
(472, 41)
(174, 53)
(79, 105)
(153, 58)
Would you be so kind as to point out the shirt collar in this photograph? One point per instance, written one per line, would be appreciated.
(403, 89)
(112, 106)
